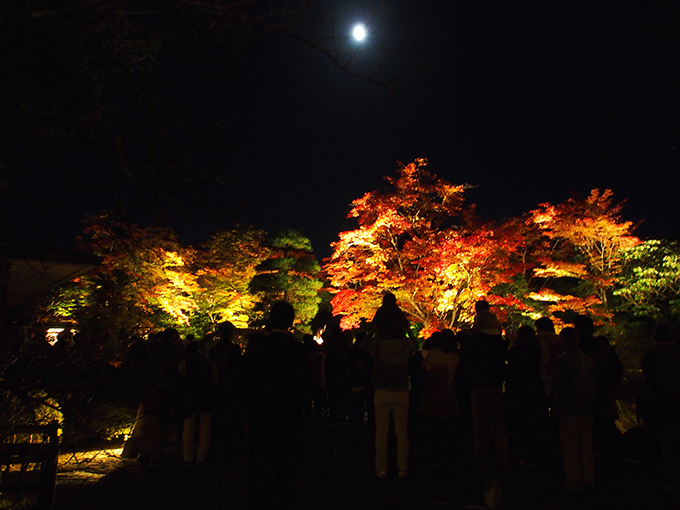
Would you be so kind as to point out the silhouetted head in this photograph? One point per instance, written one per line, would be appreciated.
(192, 349)
(569, 337)
(663, 334)
(544, 324)
(526, 338)
(389, 299)
(433, 341)
(281, 315)
(225, 330)
(448, 341)
(482, 306)
(585, 326)
(172, 335)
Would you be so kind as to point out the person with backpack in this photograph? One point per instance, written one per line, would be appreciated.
(389, 342)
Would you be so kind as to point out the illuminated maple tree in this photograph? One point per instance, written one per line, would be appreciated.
(416, 238)
(225, 267)
(577, 248)
(148, 280)
(145, 281)
(149, 266)
(474, 264)
(418, 241)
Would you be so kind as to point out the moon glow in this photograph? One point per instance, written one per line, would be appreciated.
(359, 32)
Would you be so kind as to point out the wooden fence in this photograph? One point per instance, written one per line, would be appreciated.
(28, 465)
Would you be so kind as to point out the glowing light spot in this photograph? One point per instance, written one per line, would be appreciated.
(359, 32)
(318, 337)
(52, 335)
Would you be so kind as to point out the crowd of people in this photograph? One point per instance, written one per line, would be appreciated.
(496, 399)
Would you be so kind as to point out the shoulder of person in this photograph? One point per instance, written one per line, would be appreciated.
(589, 360)
(254, 341)
(368, 342)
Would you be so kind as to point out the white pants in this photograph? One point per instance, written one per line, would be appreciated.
(395, 404)
(188, 437)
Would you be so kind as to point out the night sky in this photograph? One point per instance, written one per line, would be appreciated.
(527, 102)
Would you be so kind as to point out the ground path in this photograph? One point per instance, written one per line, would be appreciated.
(336, 474)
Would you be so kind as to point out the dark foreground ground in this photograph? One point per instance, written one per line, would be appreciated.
(336, 473)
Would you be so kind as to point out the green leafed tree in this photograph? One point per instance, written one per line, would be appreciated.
(291, 273)
(648, 284)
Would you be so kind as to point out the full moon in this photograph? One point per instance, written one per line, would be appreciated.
(359, 32)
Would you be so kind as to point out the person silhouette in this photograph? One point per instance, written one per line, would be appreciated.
(487, 352)
(574, 394)
(389, 342)
(226, 355)
(279, 384)
(198, 382)
(661, 368)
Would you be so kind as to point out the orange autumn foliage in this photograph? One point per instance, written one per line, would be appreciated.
(418, 241)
